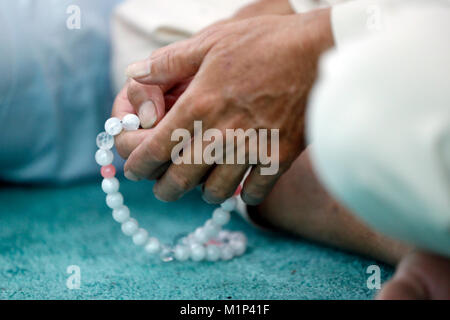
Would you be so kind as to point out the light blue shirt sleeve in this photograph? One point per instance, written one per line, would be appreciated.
(55, 91)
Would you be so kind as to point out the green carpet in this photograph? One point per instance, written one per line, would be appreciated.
(44, 230)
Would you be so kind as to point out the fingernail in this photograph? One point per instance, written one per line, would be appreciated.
(156, 193)
(206, 196)
(139, 69)
(250, 200)
(206, 199)
(131, 176)
(147, 114)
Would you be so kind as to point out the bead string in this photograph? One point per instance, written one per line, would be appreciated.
(208, 242)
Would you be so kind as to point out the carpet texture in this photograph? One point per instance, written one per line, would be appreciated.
(45, 230)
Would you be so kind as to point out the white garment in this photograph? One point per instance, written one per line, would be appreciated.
(379, 124)
(142, 26)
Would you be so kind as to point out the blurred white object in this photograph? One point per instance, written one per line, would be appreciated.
(307, 5)
(142, 26)
(379, 121)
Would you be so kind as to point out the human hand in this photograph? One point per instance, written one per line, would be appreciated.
(420, 275)
(271, 93)
(151, 102)
(256, 8)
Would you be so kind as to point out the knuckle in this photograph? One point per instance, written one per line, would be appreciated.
(134, 89)
(168, 61)
(136, 94)
(154, 151)
(210, 33)
(203, 106)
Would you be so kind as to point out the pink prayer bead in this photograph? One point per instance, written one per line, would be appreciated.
(108, 171)
(214, 242)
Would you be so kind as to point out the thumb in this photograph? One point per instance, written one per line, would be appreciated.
(169, 65)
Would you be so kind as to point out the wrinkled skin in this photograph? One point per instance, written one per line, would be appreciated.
(233, 86)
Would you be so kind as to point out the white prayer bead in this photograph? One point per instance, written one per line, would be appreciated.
(166, 253)
(229, 204)
(200, 235)
(188, 240)
(238, 247)
(196, 245)
(105, 141)
(226, 253)
(211, 229)
(114, 200)
(238, 236)
(181, 253)
(185, 241)
(131, 122)
(130, 227)
(110, 185)
(153, 246)
(198, 252)
(121, 214)
(140, 237)
(212, 253)
(104, 157)
(224, 234)
(113, 126)
(221, 217)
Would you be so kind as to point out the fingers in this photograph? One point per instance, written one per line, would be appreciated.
(402, 289)
(223, 182)
(181, 176)
(178, 180)
(257, 186)
(187, 171)
(147, 101)
(171, 64)
(157, 147)
(419, 275)
(127, 141)
(122, 105)
(171, 96)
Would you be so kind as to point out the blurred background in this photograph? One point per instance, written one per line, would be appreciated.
(55, 87)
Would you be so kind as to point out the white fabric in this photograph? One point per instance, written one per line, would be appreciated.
(358, 18)
(141, 26)
(307, 5)
(379, 123)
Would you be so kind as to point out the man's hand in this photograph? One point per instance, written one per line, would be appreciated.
(254, 73)
(151, 103)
